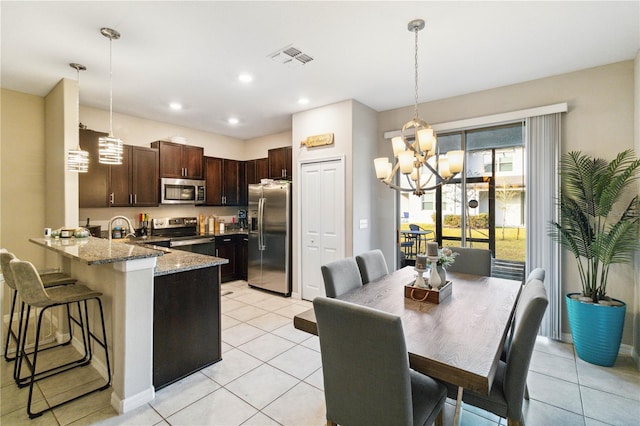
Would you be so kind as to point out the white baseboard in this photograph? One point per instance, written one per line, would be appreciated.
(133, 402)
(625, 350)
(96, 363)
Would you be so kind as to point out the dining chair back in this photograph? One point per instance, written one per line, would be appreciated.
(507, 392)
(365, 365)
(536, 274)
(372, 265)
(471, 261)
(340, 276)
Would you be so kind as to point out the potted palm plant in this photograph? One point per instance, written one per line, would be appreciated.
(600, 230)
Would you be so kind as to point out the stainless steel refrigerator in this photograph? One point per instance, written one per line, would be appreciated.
(269, 219)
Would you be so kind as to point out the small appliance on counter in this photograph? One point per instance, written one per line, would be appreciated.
(94, 230)
(242, 219)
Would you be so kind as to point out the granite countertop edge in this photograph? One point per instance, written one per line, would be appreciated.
(92, 251)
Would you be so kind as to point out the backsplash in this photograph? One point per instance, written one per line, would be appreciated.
(101, 216)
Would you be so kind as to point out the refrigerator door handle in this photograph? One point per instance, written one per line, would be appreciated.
(261, 246)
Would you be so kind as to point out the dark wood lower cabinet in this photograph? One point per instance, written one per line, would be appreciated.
(186, 324)
(234, 247)
(226, 249)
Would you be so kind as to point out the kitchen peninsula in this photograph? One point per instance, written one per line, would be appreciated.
(150, 296)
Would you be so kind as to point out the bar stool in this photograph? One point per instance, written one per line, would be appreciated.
(34, 295)
(49, 279)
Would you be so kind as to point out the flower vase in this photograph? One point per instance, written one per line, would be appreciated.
(438, 276)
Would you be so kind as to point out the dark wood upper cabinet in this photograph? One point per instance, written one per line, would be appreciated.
(213, 181)
(280, 163)
(120, 181)
(231, 182)
(132, 183)
(180, 161)
(93, 185)
(225, 180)
(144, 176)
(257, 170)
(135, 181)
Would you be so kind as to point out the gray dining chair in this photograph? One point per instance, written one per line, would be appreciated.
(471, 261)
(536, 274)
(365, 365)
(507, 392)
(372, 265)
(340, 276)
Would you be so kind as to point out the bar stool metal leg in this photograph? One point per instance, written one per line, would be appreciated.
(30, 286)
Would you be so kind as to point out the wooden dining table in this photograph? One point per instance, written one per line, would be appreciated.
(458, 340)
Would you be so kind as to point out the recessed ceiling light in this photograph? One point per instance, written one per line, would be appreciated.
(175, 106)
(303, 101)
(233, 120)
(245, 78)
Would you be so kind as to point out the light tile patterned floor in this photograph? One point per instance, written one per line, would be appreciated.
(271, 375)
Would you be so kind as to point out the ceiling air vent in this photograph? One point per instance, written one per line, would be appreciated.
(290, 55)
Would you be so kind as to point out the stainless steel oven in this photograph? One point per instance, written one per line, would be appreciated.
(182, 233)
(202, 245)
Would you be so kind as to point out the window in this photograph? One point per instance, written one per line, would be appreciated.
(505, 163)
(429, 201)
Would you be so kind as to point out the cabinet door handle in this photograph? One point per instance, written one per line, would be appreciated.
(135, 198)
(111, 198)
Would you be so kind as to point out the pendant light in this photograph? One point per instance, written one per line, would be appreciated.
(416, 153)
(77, 159)
(110, 147)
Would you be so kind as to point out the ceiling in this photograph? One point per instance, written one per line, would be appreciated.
(193, 52)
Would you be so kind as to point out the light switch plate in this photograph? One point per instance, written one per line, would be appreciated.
(364, 223)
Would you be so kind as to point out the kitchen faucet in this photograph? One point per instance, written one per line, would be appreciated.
(128, 223)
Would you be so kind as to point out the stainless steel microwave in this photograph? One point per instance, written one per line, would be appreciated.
(182, 191)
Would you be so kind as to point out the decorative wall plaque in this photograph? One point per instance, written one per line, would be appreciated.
(318, 140)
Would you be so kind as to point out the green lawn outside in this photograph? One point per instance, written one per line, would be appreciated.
(512, 247)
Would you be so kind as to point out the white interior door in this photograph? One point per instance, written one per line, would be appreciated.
(322, 218)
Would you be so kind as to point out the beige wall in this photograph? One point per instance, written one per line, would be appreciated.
(141, 132)
(259, 147)
(22, 171)
(600, 122)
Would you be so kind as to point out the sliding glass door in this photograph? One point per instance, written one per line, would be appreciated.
(485, 207)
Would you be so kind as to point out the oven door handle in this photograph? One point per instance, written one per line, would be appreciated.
(192, 242)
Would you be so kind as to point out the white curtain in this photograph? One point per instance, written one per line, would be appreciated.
(543, 186)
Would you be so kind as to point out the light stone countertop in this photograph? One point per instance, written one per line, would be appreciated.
(96, 251)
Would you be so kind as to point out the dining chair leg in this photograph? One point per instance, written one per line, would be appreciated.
(456, 417)
(440, 419)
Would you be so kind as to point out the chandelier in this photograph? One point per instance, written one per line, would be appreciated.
(417, 157)
(78, 159)
(110, 147)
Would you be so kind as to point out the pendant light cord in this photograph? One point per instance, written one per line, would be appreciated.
(415, 108)
(111, 87)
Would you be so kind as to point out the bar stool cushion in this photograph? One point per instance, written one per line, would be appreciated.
(32, 290)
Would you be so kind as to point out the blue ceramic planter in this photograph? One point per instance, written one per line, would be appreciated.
(596, 330)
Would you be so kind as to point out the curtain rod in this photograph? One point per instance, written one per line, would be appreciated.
(492, 120)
